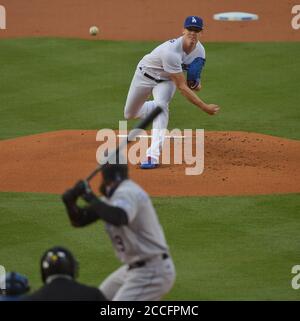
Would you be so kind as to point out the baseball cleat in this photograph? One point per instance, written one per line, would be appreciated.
(150, 163)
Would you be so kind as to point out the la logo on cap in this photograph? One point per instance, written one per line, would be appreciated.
(194, 20)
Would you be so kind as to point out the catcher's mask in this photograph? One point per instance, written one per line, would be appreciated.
(58, 260)
(16, 284)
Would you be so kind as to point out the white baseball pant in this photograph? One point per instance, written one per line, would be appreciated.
(137, 106)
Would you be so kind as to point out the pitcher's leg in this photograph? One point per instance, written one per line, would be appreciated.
(139, 91)
(146, 109)
(162, 93)
(160, 125)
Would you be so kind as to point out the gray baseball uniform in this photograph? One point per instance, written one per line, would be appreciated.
(148, 271)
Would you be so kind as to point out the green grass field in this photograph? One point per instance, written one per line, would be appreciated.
(224, 248)
(50, 84)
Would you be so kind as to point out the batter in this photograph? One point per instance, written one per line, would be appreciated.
(132, 224)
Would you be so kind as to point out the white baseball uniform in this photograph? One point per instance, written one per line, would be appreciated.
(164, 60)
(148, 271)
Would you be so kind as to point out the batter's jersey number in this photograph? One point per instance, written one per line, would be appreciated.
(119, 243)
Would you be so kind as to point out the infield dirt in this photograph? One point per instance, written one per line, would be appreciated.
(134, 19)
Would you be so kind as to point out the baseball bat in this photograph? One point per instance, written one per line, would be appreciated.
(133, 133)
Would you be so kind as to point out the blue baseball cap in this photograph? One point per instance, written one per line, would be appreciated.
(193, 21)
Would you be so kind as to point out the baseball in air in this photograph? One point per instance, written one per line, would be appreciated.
(94, 30)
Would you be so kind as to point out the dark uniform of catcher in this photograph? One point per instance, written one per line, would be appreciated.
(59, 270)
(131, 222)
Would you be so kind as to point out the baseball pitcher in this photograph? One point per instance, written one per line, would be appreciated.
(160, 73)
(148, 271)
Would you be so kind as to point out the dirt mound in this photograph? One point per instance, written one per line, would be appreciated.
(235, 163)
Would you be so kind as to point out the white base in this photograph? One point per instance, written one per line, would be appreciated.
(235, 16)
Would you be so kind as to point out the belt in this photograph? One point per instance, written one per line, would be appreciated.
(150, 77)
(139, 264)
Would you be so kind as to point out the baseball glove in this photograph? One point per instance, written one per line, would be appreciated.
(194, 72)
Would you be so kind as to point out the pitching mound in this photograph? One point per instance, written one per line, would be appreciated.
(236, 163)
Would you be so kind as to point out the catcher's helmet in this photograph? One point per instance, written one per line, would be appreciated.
(58, 260)
(16, 284)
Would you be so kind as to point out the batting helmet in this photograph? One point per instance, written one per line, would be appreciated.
(114, 172)
(16, 284)
(58, 260)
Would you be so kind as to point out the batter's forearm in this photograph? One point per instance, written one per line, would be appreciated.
(78, 216)
(110, 214)
(96, 210)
